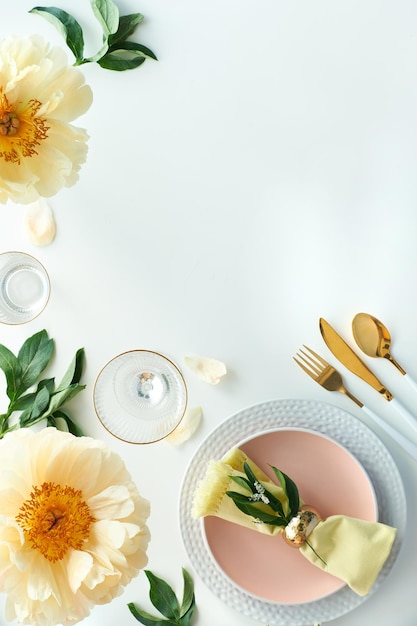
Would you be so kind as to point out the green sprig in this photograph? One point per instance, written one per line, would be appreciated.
(116, 52)
(261, 504)
(45, 401)
(165, 601)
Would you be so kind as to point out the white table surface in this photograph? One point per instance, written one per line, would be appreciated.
(260, 175)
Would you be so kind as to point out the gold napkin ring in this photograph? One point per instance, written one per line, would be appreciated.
(301, 526)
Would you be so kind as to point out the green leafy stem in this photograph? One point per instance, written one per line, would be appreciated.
(262, 504)
(45, 402)
(116, 52)
(165, 601)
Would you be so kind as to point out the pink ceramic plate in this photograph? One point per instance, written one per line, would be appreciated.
(329, 478)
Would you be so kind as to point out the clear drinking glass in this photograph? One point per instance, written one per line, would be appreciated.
(140, 396)
(24, 288)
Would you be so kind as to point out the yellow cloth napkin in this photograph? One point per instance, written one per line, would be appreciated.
(211, 499)
(353, 550)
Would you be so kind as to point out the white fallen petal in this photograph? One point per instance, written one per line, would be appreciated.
(187, 427)
(40, 223)
(210, 370)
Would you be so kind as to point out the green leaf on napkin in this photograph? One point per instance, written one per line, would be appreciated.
(260, 498)
(116, 52)
(291, 490)
(243, 503)
(165, 601)
(44, 403)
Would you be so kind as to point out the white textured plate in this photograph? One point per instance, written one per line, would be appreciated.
(322, 418)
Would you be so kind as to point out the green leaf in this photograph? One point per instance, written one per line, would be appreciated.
(281, 477)
(60, 397)
(250, 474)
(164, 599)
(67, 25)
(239, 497)
(40, 403)
(127, 26)
(186, 618)
(162, 596)
(120, 60)
(188, 598)
(125, 55)
(147, 619)
(51, 421)
(274, 503)
(38, 406)
(291, 491)
(23, 402)
(49, 383)
(73, 428)
(74, 371)
(251, 509)
(24, 418)
(135, 48)
(10, 365)
(242, 482)
(34, 356)
(107, 13)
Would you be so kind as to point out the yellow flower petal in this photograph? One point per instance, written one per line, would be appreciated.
(40, 223)
(114, 502)
(187, 427)
(208, 369)
(40, 584)
(79, 564)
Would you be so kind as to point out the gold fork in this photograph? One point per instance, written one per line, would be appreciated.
(322, 372)
(329, 378)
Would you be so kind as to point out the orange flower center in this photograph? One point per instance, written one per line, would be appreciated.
(54, 519)
(20, 129)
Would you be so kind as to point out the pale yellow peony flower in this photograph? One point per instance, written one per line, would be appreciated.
(40, 94)
(72, 526)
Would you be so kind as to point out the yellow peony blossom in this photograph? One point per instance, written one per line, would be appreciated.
(40, 94)
(72, 526)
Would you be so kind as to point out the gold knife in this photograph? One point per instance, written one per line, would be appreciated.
(344, 353)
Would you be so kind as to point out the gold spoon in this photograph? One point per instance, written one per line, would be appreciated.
(374, 340)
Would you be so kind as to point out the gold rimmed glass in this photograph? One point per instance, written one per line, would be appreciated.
(24, 287)
(140, 396)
